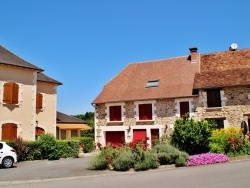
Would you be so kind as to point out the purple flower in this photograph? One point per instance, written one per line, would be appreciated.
(206, 158)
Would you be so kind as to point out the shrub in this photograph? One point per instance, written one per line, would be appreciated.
(206, 158)
(124, 161)
(146, 161)
(34, 151)
(181, 160)
(168, 154)
(87, 143)
(20, 147)
(103, 159)
(49, 147)
(98, 163)
(68, 148)
(192, 136)
(229, 141)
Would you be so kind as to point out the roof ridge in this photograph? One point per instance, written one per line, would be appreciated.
(210, 53)
(152, 61)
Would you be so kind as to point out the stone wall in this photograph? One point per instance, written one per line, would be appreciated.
(235, 109)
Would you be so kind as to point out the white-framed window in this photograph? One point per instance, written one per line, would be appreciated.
(183, 106)
(115, 112)
(145, 110)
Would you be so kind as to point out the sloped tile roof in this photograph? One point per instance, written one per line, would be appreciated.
(44, 78)
(234, 77)
(64, 118)
(175, 77)
(230, 68)
(8, 58)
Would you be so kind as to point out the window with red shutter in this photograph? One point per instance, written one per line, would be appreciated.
(145, 111)
(9, 131)
(10, 94)
(39, 101)
(115, 113)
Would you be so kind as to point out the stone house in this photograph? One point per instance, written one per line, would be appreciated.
(146, 98)
(28, 99)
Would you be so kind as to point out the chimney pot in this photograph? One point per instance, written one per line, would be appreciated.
(193, 54)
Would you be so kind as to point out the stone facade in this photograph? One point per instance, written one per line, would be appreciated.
(235, 106)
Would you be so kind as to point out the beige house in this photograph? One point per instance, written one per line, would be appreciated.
(146, 98)
(28, 99)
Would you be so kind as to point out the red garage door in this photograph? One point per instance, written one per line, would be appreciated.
(115, 137)
(139, 134)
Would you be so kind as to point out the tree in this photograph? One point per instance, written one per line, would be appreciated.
(89, 118)
(192, 136)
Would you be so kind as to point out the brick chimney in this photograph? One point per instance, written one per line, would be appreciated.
(193, 55)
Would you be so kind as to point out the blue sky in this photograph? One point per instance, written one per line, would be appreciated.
(85, 43)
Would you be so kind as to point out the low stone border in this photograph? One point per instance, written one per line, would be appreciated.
(240, 158)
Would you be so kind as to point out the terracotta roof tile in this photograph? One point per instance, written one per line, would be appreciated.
(221, 69)
(175, 77)
(234, 77)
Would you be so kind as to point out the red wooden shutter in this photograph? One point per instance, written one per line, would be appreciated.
(15, 93)
(145, 111)
(39, 101)
(115, 113)
(7, 93)
(10, 94)
(9, 131)
(184, 108)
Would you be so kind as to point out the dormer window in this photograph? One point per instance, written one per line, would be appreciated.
(153, 83)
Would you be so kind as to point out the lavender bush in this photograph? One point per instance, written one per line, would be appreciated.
(206, 158)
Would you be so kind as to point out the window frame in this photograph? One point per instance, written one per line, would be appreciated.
(115, 114)
(145, 112)
(214, 98)
(153, 83)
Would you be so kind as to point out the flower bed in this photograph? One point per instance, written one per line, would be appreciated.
(206, 158)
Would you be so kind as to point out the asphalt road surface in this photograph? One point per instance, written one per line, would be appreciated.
(230, 175)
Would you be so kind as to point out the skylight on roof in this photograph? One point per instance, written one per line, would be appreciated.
(153, 83)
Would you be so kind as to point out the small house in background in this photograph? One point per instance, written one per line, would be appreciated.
(69, 126)
(144, 99)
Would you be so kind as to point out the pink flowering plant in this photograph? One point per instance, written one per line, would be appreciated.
(206, 158)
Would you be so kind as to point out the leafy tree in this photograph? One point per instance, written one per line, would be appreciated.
(89, 118)
(192, 136)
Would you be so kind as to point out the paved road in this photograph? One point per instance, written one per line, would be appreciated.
(39, 170)
(230, 175)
